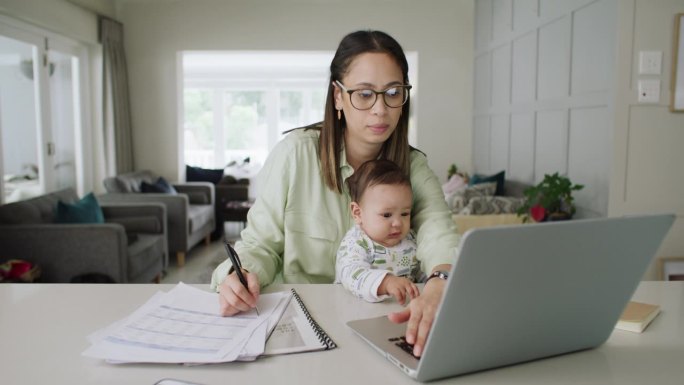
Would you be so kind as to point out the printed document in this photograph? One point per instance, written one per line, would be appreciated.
(183, 326)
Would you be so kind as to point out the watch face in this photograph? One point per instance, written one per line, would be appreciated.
(439, 274)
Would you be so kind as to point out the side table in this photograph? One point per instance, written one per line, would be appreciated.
(236, 211)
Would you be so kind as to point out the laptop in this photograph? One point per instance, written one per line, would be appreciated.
(524, 292)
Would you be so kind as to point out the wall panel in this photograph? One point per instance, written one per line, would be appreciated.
(554, 59)
(551, 146)
(499, 142)
(524, 71)
(592, 63)
(501, 76)
(588, 158)
(556, 46)
(481, 144)
(522, 148)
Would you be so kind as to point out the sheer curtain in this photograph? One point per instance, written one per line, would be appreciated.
(116, 101)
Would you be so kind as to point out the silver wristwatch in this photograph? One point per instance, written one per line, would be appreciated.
(441, 274)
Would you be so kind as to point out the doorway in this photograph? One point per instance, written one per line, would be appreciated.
(41, 112)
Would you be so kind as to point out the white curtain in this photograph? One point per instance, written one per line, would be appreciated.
(116, 101)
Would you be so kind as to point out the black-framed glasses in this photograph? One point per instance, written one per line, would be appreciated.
(364, 99)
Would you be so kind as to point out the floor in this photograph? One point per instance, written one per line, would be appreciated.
(200, 257)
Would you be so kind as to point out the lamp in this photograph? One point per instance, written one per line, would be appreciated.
(26, 67)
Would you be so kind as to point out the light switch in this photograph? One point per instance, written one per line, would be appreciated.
(650, 62)
(649, 91)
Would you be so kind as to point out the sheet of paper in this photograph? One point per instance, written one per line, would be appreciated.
(255, 347)
(293, 333)
(183, 326)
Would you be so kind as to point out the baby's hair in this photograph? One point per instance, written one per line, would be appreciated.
(375, 172)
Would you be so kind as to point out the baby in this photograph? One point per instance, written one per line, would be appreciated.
(377, 257)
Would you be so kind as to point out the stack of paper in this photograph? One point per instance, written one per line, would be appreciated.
(183, 326)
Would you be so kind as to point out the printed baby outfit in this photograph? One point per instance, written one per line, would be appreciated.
(362, 263)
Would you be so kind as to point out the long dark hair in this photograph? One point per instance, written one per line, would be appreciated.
(396, 148)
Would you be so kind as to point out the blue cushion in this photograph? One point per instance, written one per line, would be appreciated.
(160, 186)
(87, 210)
(499, 178)
(196, 174)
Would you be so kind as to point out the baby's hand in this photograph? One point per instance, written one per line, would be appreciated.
(400, 288)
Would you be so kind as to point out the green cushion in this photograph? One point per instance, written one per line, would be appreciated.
(87, 210)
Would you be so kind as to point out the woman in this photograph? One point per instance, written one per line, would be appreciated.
(297, 223)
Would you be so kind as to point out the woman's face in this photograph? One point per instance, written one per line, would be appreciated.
(374, 71)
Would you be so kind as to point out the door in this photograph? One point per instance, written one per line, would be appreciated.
(41, 113)
(20, 120)
(65, 137)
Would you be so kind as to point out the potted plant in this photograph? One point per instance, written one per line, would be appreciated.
(453, 170)
(550, 200)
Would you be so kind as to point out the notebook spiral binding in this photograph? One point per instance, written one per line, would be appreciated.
(323, 337)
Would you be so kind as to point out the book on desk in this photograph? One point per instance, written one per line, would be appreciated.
(637, 316)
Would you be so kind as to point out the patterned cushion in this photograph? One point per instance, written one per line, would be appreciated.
(460, 199)
(492, 205)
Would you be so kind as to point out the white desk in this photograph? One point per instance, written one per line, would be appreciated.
(43, 331)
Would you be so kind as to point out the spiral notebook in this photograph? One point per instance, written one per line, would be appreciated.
(297, 331)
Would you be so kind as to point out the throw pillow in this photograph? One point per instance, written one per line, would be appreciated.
(87, 210)
(493, 205)
(197, 174)
(499, 178)
(160, 186)
(459, 200)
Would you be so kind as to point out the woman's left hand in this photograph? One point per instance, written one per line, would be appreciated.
(420, 314)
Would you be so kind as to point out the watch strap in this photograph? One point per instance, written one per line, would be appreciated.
(441, 274)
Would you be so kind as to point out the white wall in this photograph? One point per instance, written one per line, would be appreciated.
(543, 93)
(556, 89)
(439, 30)
(647, 175)
(58, 16)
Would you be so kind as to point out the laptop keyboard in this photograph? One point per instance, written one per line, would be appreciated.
(405, 346)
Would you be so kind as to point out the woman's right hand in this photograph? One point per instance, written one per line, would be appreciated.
(234, 297)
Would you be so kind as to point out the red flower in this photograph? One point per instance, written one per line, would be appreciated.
(14, 268)
(538, 213)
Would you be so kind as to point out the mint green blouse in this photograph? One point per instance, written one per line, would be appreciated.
(296, 224)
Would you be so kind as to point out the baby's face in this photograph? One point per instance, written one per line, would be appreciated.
(385, 213)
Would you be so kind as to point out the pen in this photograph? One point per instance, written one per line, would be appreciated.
(237, 266)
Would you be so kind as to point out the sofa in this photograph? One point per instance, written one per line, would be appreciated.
(130, 246)
(227, 189)
(477, 205)
(189, 207)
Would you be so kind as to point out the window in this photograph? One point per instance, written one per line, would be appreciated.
(236, 105)
(43, 112)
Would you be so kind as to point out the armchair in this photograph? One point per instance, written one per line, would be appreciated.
(129, 247)
(190, 212)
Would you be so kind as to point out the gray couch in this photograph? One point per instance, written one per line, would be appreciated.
(190, 213)
(129, 247)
